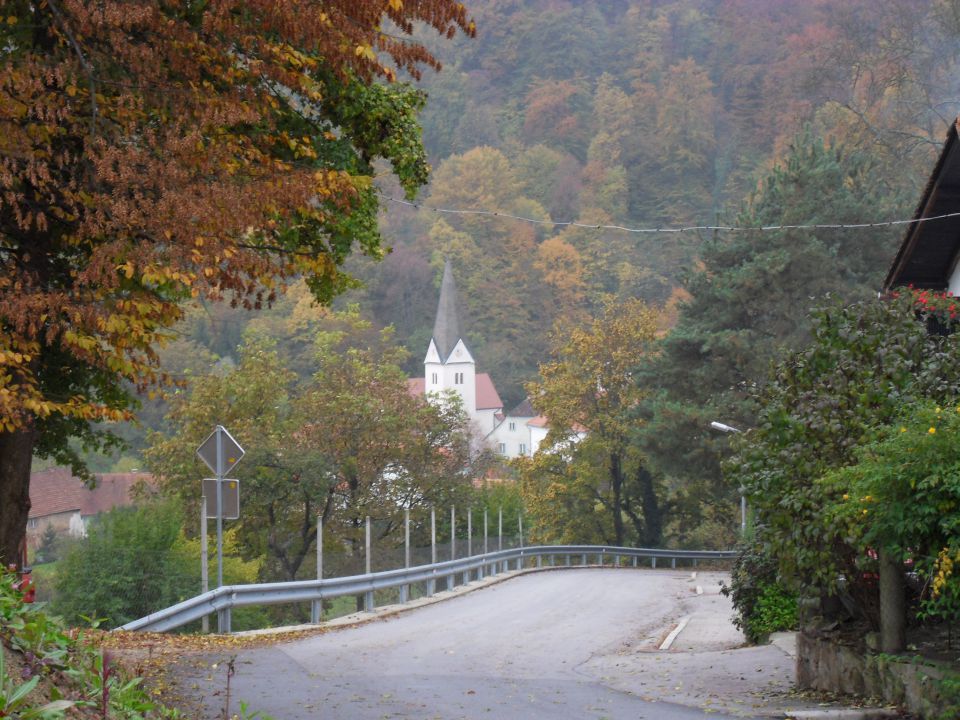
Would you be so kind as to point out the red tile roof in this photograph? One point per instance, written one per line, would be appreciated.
(56, 491)
(487, 396)
(540, 421)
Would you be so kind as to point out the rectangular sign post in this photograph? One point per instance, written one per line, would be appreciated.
(220, 452)
(204, 580)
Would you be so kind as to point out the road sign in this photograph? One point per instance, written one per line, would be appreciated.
(230, 451)
(231, 498)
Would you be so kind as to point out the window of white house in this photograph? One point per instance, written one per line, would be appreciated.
(433, 378)
(513, 426)
(523, 448)
(458, 378)
(502, 448)
(32, 523)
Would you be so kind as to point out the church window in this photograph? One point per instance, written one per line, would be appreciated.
(458, 378)
(502, 448)
(523, 448)
(513, 426)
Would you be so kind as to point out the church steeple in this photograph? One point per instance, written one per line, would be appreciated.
(446, 326)
(449, 364)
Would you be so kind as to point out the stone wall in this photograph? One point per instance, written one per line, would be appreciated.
(823, 664)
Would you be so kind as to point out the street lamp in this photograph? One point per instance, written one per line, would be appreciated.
(722, 427)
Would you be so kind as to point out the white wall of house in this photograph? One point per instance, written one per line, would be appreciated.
(953, 286)
(486, 420)
(511, 437)
(537, 436)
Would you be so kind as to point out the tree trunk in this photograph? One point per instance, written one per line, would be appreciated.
(616, 481)
(16, 454)
(893, 604)
(652, 515)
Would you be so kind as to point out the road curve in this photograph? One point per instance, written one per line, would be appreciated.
(518, 649)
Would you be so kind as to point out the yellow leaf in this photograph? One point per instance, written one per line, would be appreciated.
(396, 5)
(12, 20)
(71, 90)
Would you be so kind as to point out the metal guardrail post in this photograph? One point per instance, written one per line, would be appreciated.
(466, 574)
(431, 583)
(673, 563)
(634, 560)
(653, 562)
(500, 531)
(452, 577)
(405, 589)
(223, 620)
(368, 596)
(583, 559)
(539, 562)
(316, 606)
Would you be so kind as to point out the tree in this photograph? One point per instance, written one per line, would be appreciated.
(748, 304)
(594, 487)
(350, 443)
(822, 406)
(150, 152)
(135, 561)
(129, 565)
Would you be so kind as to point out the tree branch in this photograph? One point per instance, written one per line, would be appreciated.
(87, 67)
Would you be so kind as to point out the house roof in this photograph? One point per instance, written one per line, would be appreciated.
(56, 491)
(541, 421)
(487, 396)
(446, 326)
(524, 409)
(929, 250)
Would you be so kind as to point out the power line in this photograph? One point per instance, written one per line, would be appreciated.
(671, 230)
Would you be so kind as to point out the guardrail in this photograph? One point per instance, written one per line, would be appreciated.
(222, 600)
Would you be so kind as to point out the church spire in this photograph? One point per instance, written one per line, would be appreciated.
(446, 327)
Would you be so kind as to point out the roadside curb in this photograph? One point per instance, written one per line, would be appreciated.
(844, 714)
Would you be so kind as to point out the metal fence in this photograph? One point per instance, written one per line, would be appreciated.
(409, 582)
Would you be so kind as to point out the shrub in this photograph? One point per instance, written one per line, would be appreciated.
(131, 564)
(763, 605)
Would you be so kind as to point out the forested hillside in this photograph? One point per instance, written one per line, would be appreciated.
(641, 114)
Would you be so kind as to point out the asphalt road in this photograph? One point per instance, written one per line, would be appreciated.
(519, 649)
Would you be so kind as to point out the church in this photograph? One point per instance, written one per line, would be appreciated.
(449, 365)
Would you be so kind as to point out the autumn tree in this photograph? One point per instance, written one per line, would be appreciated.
(588, 482)
(350, 443)
(150, 152)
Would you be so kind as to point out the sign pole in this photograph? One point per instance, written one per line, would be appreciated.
(204, 570)
(219, 506)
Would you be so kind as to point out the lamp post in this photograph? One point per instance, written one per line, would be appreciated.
(724, 428)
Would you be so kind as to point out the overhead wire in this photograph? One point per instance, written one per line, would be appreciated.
(668, 230)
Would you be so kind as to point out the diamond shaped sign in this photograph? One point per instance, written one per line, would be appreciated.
(229, 453)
